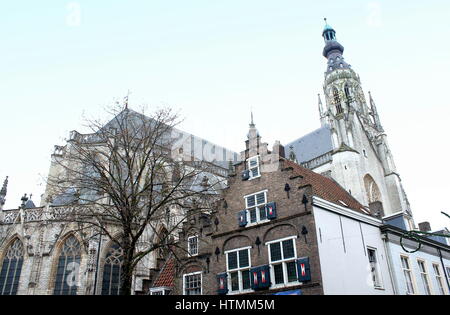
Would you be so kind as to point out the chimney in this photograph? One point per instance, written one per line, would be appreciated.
(279, 149)
(425, 227)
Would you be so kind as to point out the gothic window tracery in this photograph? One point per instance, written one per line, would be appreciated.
(112, 271)
(347, 92)
(66, 281)
(11, 269)
(337, 101)
(373, 195)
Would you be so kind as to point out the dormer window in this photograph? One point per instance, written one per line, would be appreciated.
(253, 167)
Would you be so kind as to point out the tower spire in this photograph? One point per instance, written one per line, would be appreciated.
(322, 112)
(252, 123)
(126, 99)
(320, 106)
(333, 50)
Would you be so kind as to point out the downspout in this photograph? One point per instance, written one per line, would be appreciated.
(443, 268)
(390, 265)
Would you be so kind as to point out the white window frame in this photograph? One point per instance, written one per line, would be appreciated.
(193, 274)
(411, 274)
(258, 166)
(283, 262)
(378, 286)
(163, 290)
(257, 206)
(238, 270)
(439, 279)
(189, 246)
(428, 289)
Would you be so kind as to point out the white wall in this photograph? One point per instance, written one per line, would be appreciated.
(346, 268)
(428, 254)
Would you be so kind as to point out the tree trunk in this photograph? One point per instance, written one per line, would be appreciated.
(127, 269)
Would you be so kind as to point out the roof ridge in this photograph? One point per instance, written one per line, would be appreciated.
(327, 188)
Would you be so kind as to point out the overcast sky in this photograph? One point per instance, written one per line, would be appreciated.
(215, 60)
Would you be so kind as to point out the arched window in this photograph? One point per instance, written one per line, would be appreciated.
(112, 271)
(347, 92)
(68, 268)
(11, 269)
(337, 101)
(373, 196)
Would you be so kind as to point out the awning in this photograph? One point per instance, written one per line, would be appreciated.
(293, 292)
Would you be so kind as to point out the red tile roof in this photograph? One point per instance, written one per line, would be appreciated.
(325, 187)
(166, 275)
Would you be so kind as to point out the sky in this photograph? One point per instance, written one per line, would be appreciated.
(215, 61)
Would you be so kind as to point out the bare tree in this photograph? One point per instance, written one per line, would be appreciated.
(126, 178)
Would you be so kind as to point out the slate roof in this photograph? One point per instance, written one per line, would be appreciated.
(326, 188)
(201, 149)
(167, 275)
(30, 204)
(312, 145)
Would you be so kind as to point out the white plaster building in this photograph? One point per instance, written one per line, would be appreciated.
(353, 259)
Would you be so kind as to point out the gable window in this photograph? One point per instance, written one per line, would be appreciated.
(408, 275)
(193, 245)
(424, 275)
(253, 167)
(374, 267)
(192, 283)
(282, 257)
(256, 207)
(11, 269)
(437, 274)
(238, 269)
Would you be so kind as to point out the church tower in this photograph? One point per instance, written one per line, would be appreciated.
(362, 159)
(351, 146)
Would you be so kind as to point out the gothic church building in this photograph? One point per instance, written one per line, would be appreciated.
(351, 146)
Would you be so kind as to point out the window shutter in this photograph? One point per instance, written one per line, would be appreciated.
(271, 209)
(242, 218)
(245, 175)
(303, 269)
(222, 283)
(260, 277)
(265, 277)
(255, 277)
